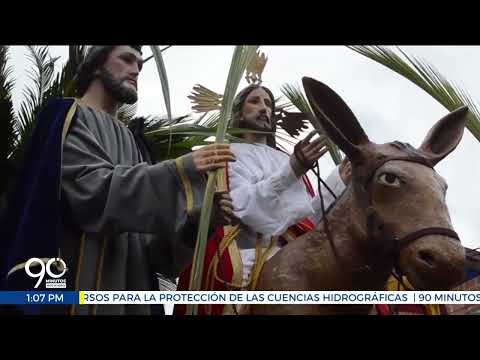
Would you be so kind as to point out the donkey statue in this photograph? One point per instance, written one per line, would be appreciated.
(391, 217)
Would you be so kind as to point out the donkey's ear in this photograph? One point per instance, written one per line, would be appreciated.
(445, 135)
(336, 118)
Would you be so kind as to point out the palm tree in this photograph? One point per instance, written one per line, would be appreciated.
(16, 127)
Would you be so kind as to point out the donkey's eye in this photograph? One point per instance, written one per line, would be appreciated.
(389, 179)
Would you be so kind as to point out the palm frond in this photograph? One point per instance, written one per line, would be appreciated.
(7, 113)
(211, 120)
(41, 74)
(183, 136)
(153, 123)
(298, 99)
(162, 73)
(428, 78)
(179, 146)
(204, 99)
(127, 112)
(76, 56)
(183, 146)
(160, 131)
(242, 56)
(179, 135)
(183, 133)
(8, 133)
(199, 130)
(64, 83)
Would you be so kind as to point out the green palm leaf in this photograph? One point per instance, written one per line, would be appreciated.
(76, 56)
(427, 77)
(242, 56)
(162, 73)
(154, 123)
(298, 99)
(64, 84)
(8, 135)
(193, 130)
(127, 112)
(184, 133)
(41, 74)
(176, 135)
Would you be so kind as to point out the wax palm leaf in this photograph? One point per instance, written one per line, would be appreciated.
(428, 78)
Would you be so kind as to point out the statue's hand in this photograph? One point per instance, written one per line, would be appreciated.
(306, 153)
(212, 157)
(222, 213)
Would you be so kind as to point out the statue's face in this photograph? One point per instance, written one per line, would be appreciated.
(119, 74)
(257, 111)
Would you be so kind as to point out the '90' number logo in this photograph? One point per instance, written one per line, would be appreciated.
(59, 264)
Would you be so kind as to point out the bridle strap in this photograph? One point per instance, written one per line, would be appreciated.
(406, 240)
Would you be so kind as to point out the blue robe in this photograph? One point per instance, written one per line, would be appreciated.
(32, 223)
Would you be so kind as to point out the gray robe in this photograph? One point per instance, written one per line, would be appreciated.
(133, 214)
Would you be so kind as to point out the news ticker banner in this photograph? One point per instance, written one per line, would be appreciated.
(238, 297)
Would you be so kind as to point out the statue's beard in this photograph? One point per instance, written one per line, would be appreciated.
(256, 124)
(117, 89)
